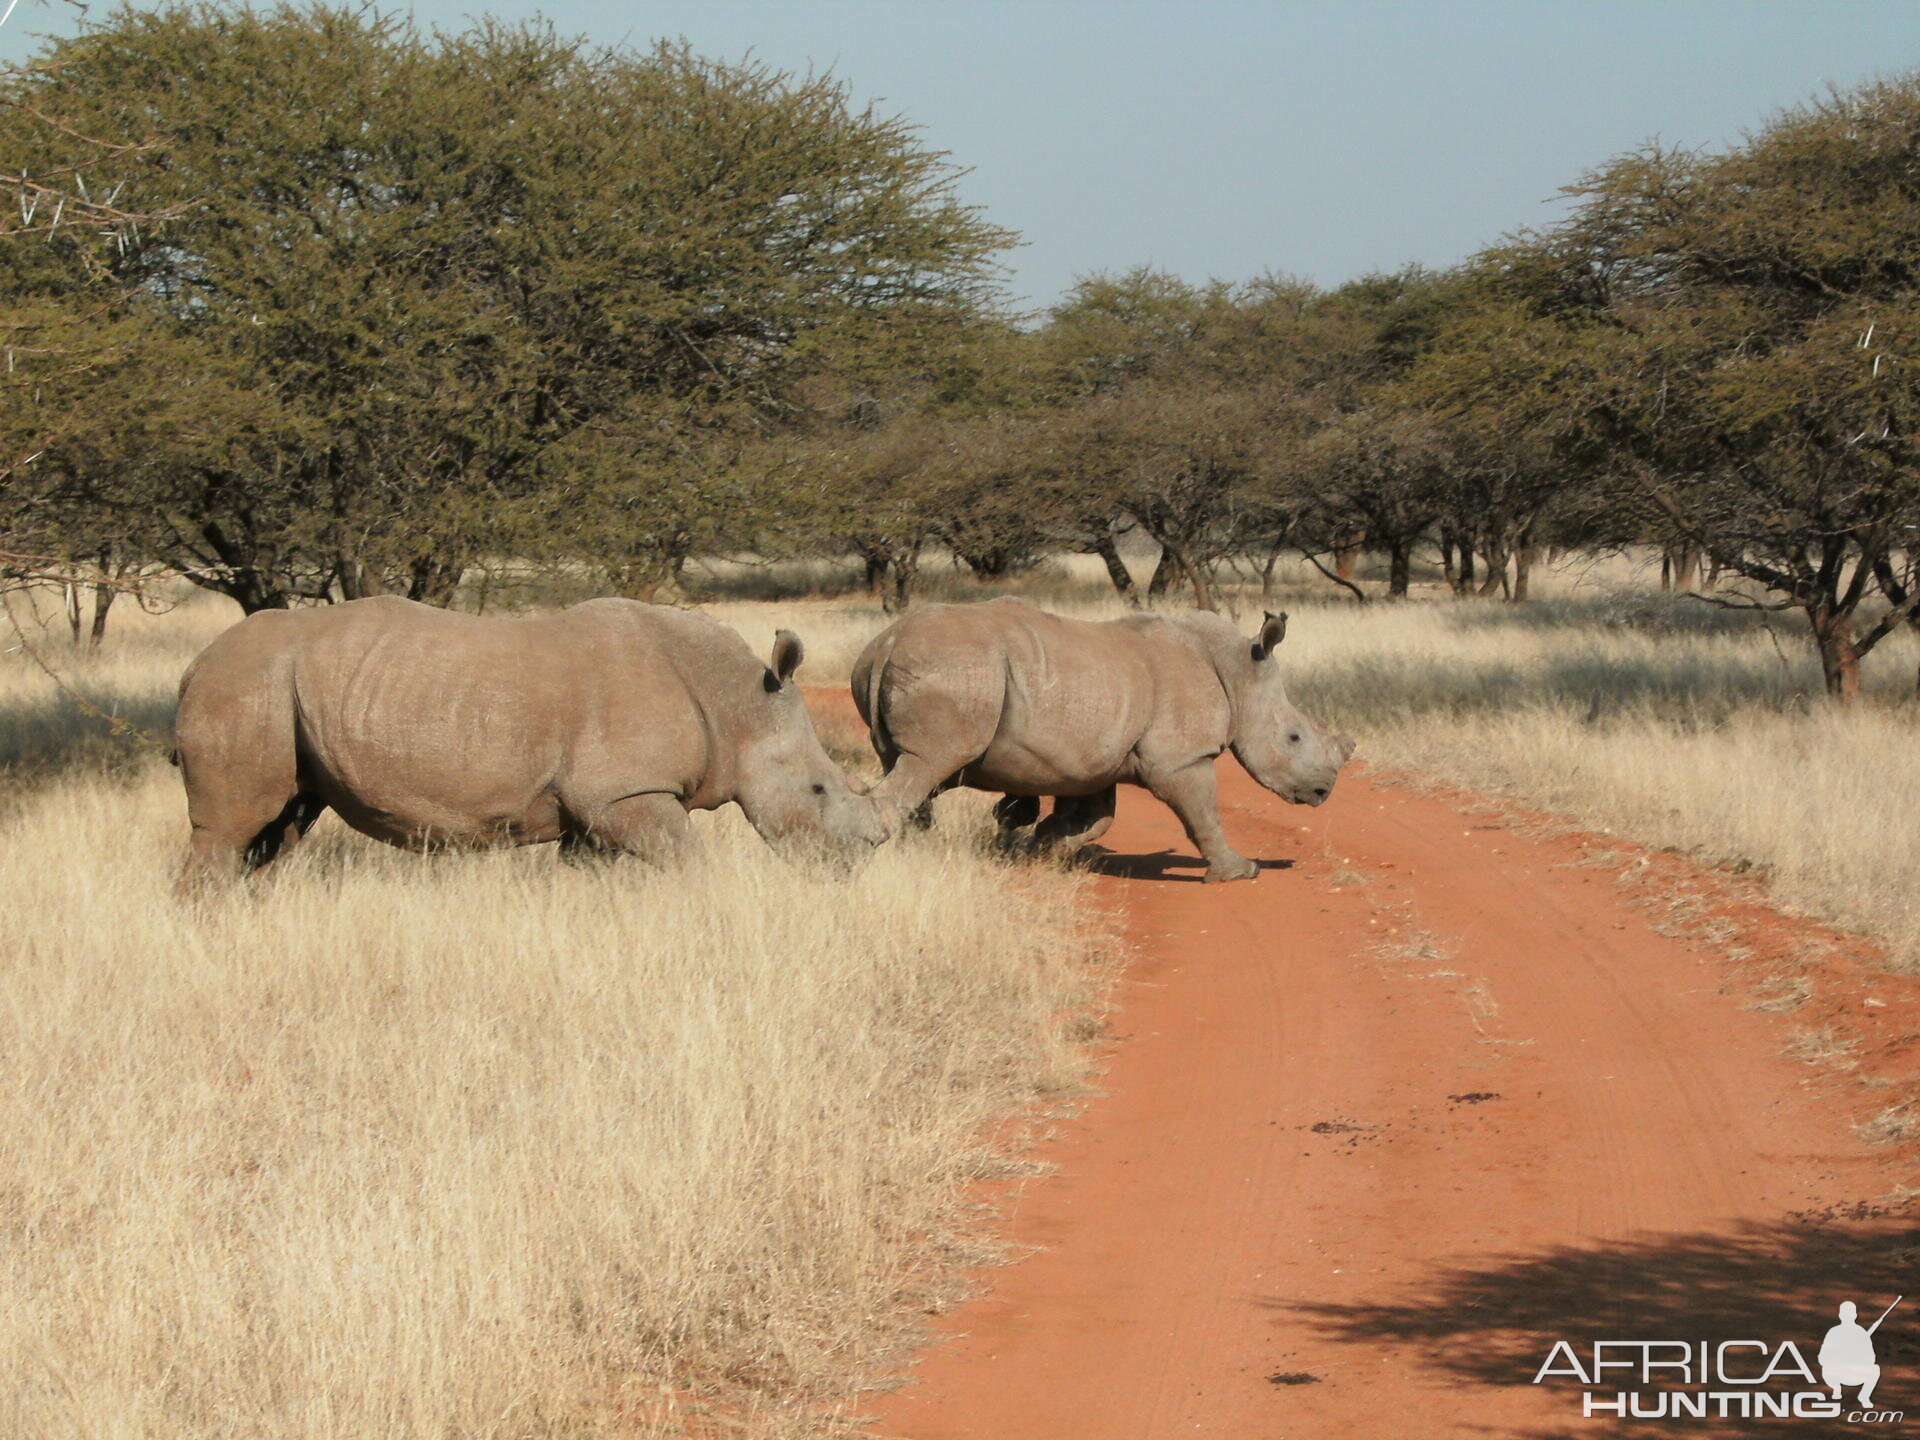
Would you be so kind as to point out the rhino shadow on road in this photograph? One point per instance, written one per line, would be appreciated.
(1163, 865)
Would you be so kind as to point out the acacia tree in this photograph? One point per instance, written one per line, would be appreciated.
(1182, 407)
(58, 336)
(1370, 468)
(445, 264)
(1382, 471)
(1516, 396)
(1811, 483)
(1114, 330)
(876, 483)
(1770, 300)
(1188, 463)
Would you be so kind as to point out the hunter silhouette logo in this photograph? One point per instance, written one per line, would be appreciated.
(1846, 1355)
(1728, 1379)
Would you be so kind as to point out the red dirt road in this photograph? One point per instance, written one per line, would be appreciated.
(1379, 1127)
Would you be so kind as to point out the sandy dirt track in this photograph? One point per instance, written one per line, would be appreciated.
(1380, 1126)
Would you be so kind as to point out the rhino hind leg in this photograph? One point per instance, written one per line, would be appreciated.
(232, 840)
(921, 816)
(245, 799)
(910, 786)
(285, 831)
(1078, 819)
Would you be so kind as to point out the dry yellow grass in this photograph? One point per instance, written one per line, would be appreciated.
(490, 1147)
(1701, 732)
(480, 1146)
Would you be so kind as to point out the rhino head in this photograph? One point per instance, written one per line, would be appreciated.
(1280, 747)
(790, 789)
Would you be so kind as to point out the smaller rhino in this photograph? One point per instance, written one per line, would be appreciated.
(1002, 696)
(598, 727)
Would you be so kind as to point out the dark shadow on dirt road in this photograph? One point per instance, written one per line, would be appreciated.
(1160, 865)
(1495, 1325)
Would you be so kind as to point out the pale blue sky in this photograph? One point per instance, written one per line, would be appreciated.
(1224, 139)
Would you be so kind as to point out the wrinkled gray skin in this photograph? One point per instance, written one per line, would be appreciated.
(599, 727)
(1002, 696)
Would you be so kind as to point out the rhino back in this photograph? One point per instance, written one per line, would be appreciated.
(421, 722)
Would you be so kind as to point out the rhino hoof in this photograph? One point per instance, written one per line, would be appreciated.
(1237, 868)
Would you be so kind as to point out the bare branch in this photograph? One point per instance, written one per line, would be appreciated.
(1740, 603)
(1314, 560)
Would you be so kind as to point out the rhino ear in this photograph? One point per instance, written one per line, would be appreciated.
(1271, 634)
(788, 652)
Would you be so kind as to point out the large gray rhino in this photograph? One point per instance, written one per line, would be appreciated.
(600, 727)
(1002, 696)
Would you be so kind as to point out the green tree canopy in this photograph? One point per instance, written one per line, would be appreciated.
(431, 270)
(1765, 310)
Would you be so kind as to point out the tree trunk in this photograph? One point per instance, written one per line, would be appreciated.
(433, 580)
(1165, 571)
(1523, 557)
(1267, 584)
(1839, 654)
(251, 590)
(905, 566)
(876, 575)
(72, 599)
(103, 597)
(1109, 552)
(1346, 554)
(995, 562)
(1175, 565)
(248, 572)
(357, 582)
(1202, 585)
(1496, 559)
(1399, 567)
(1463, 572)
(647, 574)
(1679, 566)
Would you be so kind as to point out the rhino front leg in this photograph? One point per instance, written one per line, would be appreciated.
(1078, 819)
(1193, 794)
(654, 827)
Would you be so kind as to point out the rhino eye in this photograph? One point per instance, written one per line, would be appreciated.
(1293, 738)
(819, 789)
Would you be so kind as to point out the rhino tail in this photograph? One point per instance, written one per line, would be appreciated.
(868, 672)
